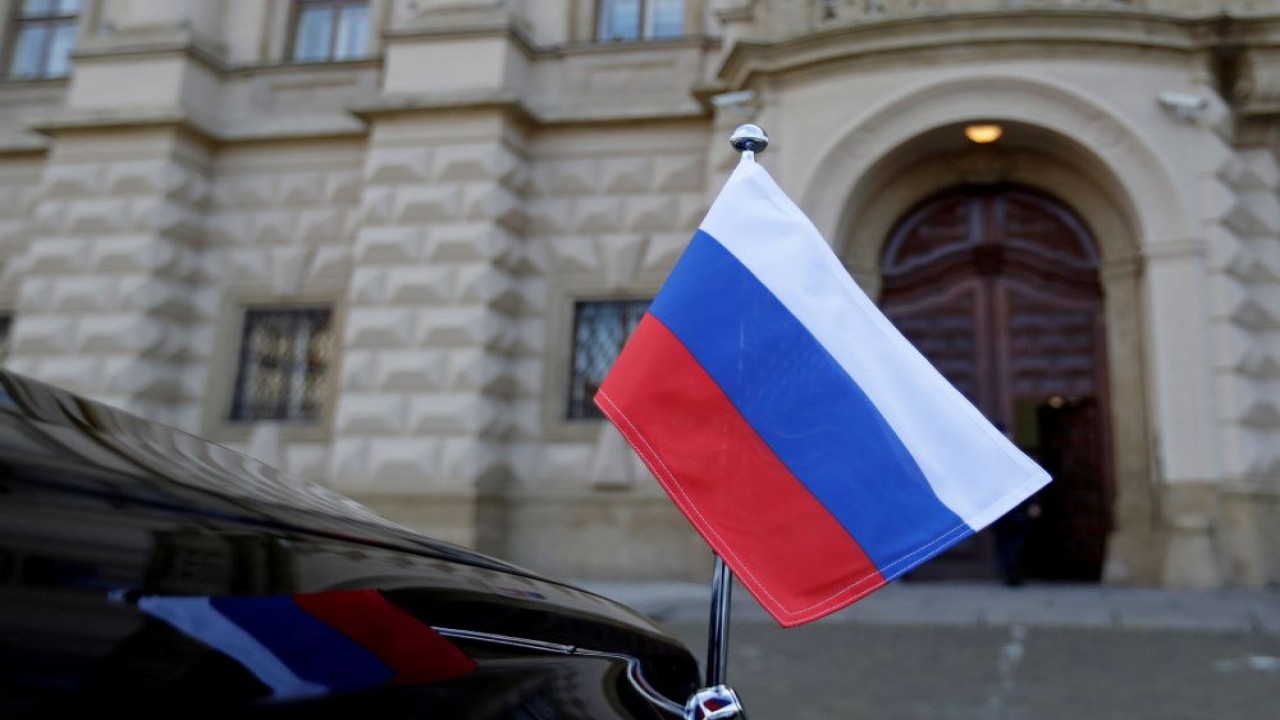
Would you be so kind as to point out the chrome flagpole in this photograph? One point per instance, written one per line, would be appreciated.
(718, 634)
(718, 701)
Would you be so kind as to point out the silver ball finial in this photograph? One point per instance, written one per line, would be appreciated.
(749, 138)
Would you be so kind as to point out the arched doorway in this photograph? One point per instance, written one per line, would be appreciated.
(998, 286)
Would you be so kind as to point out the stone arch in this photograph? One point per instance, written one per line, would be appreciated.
(864, 230)
(1118, 160)
(1062, 144)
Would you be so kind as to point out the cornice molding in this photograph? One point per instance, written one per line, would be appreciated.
(81, 121)
(128, 47)
(393, 105)
(466, 25)
(975, 33)
(209, 131)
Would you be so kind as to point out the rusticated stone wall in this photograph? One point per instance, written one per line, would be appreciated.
(112, 299)
(423, 416)
(1247, 258)
(453, 212)
(279, 233)
(19, 190)
(609, 212)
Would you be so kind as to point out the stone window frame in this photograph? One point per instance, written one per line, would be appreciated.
(296, 12)
(280, 18)
(558, 358)
(13, 22)
(225, 365)
(585, 20)
(646, 12)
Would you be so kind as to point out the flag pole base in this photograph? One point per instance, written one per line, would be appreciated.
(714, 703)
(717, 701)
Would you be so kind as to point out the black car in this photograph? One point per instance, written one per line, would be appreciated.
(126, 547)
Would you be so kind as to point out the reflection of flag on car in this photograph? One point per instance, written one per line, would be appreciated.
(312, 644)
(811, 445)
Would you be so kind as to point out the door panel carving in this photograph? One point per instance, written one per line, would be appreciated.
(943, 326)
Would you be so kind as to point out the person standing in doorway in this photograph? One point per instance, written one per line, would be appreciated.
(1011, 535)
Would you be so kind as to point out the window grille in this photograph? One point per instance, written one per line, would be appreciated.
(600, 328)
(42, 37)
(639, 19)
(327, 30)
(284, 365)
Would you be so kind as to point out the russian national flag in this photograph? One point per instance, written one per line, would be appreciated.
(306, 645)
(809, 443)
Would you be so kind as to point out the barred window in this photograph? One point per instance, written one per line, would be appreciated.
(284, 365)
(600, 328)
(639, 19)
(326, 30)
(6, 323)
(42, 37)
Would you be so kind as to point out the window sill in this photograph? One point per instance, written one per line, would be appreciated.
(562, 430)
(34, 80)
(227, 431)
(284, 66)
(672, 43)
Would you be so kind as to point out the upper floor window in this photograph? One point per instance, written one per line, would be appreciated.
(639, 19)
(284, 364)
(330, 30)
(600, 329)
(42, 37)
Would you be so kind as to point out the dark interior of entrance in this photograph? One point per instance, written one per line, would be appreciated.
(998, 286)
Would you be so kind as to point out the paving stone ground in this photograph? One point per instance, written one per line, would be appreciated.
(962, 652)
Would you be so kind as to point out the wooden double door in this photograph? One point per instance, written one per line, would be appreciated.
(998, 286)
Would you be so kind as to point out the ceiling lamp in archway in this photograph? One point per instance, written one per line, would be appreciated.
(983, 133)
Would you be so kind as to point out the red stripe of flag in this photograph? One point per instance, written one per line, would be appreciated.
(417, 653)
(742, 500)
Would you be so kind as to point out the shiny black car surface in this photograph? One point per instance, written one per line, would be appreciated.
(100, 509)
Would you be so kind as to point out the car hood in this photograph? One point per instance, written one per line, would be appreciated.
(102, 508)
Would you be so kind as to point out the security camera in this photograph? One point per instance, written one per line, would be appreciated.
(742, 102)
(729, 99)
(1185, 106)
(1182, 101)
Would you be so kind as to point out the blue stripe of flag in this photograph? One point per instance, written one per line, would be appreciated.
(313, 650)
(805, 406)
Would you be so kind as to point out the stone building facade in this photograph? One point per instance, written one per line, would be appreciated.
(421, 201)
